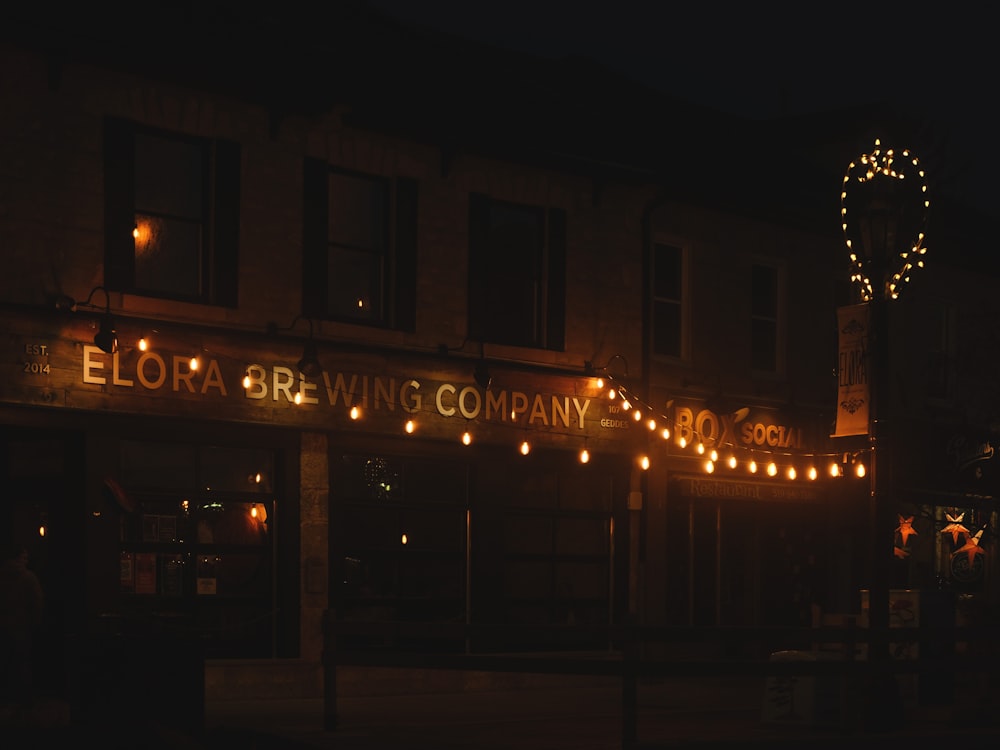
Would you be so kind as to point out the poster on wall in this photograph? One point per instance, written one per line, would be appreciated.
(853, 395)
(127, 576)
(145, 573)
(207, 582)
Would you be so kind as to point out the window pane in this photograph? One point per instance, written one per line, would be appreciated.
(358, 240)
(169, 202)
(158, 465)
(167, 255)
(667, 272)
(938, 350)
(667, 329)
(764, 285)
(168, 176)
(764, 343)
(357, 212)
(667, 294)
(355, 284)
(764, 314)
(234, 469)
(513, 263)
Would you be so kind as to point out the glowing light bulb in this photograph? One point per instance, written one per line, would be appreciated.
(665, 433)
(246, 380)
(682, 442)
(772, 469)
(834, 469)
(410, 426)
(194, 364)
(466, 438)
(298, 397)
(812, 473)
(355, 412)
(752, 466)
(644, 463)
(651, 424)
(732, 462)
(709, 467)
(584, 456)
(525, 448)
(792, 473)
(860, 469)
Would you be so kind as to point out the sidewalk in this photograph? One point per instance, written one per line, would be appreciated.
(583, 714)
(578, 713)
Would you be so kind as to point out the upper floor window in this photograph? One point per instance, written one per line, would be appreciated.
(360, 240)
(765, 318)
(669, 318)
(517, 273)
(940, 340)
(171, 214)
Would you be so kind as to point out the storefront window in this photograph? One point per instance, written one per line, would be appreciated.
(197, 542)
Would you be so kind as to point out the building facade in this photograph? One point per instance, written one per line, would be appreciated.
(284, 350)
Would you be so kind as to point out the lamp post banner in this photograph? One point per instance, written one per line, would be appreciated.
(853, 388)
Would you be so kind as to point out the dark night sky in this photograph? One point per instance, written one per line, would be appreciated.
(763, 61)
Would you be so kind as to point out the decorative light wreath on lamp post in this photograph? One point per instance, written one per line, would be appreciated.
(883, 202)
(883, 211)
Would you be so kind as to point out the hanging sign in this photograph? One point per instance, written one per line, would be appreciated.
(853, 390)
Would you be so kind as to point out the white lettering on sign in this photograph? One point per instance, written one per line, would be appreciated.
(716, 429)
(280, 384)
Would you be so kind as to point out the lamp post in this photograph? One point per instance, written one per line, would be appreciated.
(883, 210)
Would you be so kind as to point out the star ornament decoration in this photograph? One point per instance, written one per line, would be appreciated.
(971, 547)
(892, 185)
(906, 529)
(955, 527)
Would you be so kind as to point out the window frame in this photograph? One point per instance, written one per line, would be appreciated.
(399, 260)
(549, 299)
(220, 219)
(683, 304)
(778, 320)
(940, 353)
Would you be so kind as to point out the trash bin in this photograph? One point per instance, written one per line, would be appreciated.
(802, 699)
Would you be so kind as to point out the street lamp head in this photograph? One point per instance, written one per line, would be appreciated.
(883, 211)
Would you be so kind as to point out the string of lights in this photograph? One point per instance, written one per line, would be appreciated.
(883, 163)
(713, 454)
